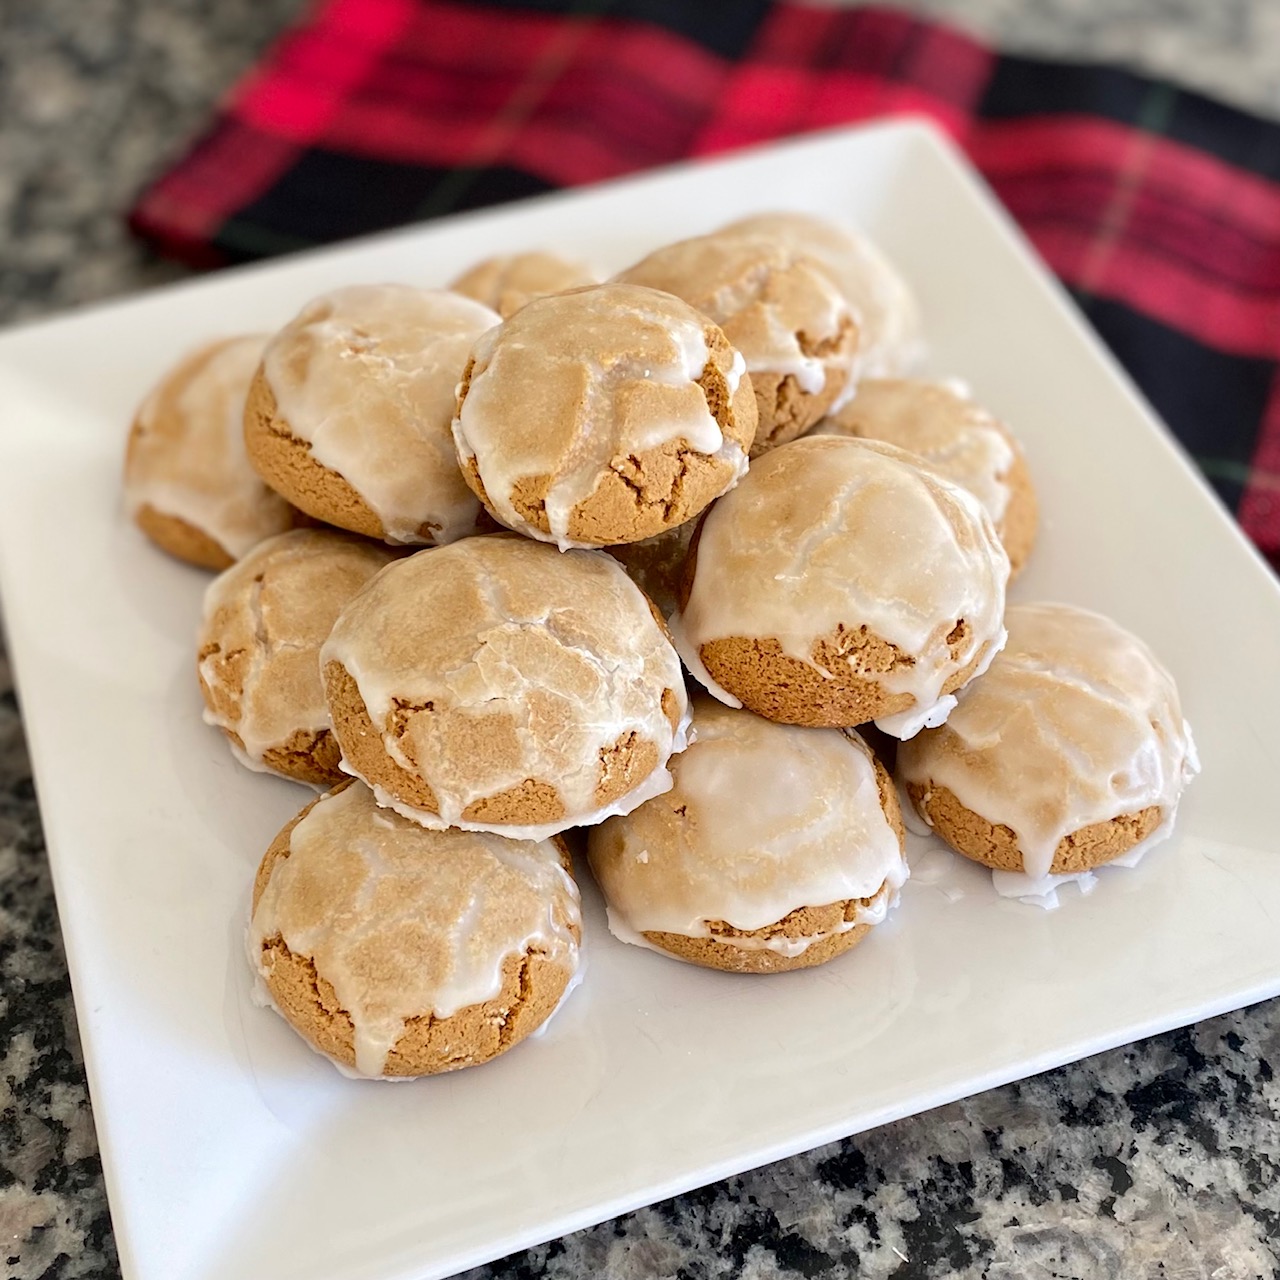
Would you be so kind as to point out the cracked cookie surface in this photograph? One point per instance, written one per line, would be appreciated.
(603, 415)
(259, 650)
(397, 951)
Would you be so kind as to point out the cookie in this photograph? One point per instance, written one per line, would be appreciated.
(188, 484)
(1070, 752)
(500, 685)
(956, 437)
(776, 848)
(396, 951)
(507, 282)
(603, 415)
(349, 415)
(890, 342)
(843, 581)
(779, 309)
(265, 619)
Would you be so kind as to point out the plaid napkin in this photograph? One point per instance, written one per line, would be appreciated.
(1159, 209)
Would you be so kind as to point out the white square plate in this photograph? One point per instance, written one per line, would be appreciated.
(232, 1151)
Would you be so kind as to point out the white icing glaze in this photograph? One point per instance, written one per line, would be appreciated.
(571, 384)
(1076, 723)
(187, 458)
(764, 295)
(277, 604)
(763, 819)
(890, 342)
(827, 531)
(367, 376)
(405, 922)
(534, 663)
(951, 433)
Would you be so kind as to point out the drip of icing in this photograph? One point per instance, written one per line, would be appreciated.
(366, 375)
(404, 922)
(940, 424)
(890, 343)
(1075, 724)
(572, 385)
(762, 820)
(875, 541)
(763, 294)
(187, 457)
(277, 605)
(533, 664)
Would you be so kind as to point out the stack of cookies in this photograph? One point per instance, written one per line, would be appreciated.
(473, 539)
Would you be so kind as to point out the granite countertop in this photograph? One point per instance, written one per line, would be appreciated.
(1157, 1160)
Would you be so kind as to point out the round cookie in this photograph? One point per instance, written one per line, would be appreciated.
(507, 282)
(187, 480)
(779, 309)
(890, 343)
(265, 619)
(395, 951)
(603, 415)
(777, 848)
(349, 414)
(843, 581)
(956, 437)
(1070, 752)
(500, 685)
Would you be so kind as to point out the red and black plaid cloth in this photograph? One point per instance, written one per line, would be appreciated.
(1159, 209)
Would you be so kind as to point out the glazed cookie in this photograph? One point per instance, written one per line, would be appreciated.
(500, 685)
(507, 282)
(956, 437)
(779, 309)
(890, 342)
(265, 619)
(349, 414)
(603, 415)
(395, 951)
(777, 848)
(843, 581)
(187, 480)
(1069, 753)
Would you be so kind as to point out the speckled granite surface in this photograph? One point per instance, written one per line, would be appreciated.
(1156, 1162)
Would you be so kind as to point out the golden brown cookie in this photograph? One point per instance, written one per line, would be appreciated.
(501, 685)
(779, 309)
(603, 415)
(349, 414)
(265, 619)
(890, 343)
(842, 581)
(956, 437)
(188, 483)
(397, 951)
(1070, 752)
(777, 848)
(507, 282)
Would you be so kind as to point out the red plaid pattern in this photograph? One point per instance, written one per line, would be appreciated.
(1160, 209)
